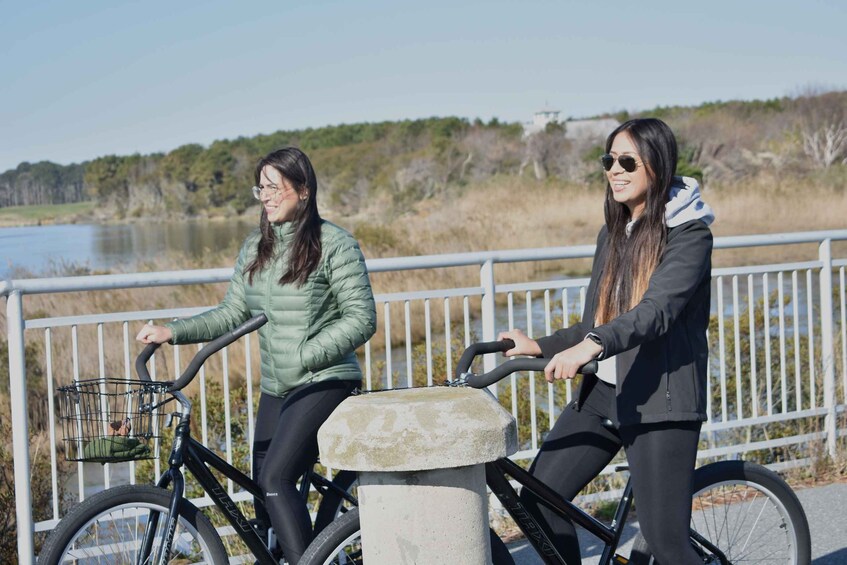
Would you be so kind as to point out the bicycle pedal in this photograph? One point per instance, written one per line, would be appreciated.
(619, 559)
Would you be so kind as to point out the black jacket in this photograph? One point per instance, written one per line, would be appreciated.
(659, 346)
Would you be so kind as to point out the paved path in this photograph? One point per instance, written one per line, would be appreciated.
(826, 509)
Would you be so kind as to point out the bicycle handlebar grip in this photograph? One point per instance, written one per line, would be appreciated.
(216, 345)
(521, 364)
(475, 349)
(141, 361)
(507, 368)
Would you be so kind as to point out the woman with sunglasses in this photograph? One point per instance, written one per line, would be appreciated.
(309, 277)
(645, 319)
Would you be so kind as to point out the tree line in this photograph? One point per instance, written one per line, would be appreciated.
(42, 183)
(401, 162)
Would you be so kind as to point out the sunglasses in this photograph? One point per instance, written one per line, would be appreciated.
(627, 162)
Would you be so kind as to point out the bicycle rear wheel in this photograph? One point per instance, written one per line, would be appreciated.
(109, 528)
(745, 511)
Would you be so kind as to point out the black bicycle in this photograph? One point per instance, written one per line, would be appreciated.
(742, 512)
(117, 420)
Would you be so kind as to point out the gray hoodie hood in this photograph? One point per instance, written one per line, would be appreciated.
(685, 204)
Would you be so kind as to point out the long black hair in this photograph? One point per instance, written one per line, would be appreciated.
(632, 258)
(305, 254)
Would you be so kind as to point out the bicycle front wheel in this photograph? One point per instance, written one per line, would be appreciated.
(109, 528)
(340, 543)
(333, 504)
(743, 513)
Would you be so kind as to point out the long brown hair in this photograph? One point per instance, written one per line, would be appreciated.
(305, 252)
(631, 259)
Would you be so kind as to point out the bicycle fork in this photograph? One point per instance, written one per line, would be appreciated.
(173, 476)
(163, 553)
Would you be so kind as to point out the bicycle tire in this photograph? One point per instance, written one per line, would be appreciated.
(340, 544)
(749, 513)
(332, 504)
(103, 538)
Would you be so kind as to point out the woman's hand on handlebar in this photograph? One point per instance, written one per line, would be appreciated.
(154, 334)
(523, 345)
(565, 364)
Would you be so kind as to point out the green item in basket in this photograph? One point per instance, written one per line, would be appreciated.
(115, 448)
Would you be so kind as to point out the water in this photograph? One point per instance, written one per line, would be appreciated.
(37, 249)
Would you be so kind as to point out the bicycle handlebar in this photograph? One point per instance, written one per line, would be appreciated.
(141, 361)
(213, 346)
(475, 349)
(507, 368)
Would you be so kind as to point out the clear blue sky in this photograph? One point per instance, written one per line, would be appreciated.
(83, 79)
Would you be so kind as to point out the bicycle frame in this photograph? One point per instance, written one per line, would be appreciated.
(538, 535)
(536, 532)
(197, 459)
(194, 456)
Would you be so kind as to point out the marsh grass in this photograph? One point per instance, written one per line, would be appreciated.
(503, 212)
(45, 214)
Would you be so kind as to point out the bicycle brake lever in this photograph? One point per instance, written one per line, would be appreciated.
(170, 418)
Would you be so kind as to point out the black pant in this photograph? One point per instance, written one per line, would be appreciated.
(284, 447)
(661, 461)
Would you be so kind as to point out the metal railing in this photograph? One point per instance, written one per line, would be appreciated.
(773, 362)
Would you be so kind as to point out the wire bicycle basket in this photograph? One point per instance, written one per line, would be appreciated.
(112, 420)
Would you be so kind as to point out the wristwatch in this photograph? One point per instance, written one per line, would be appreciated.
(596, 339)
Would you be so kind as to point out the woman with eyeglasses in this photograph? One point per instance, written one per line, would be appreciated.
(309, 277)
(645, 319)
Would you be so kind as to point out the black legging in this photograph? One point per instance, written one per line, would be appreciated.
(661, 461)
(285, 445)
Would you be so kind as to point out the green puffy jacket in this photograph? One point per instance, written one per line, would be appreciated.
(313, 329)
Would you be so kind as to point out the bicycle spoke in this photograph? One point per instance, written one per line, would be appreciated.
(115, 537)
(745, 522)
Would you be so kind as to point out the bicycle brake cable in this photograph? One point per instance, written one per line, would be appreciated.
(457, 383)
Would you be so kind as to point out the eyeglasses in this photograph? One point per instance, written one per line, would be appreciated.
(272, 190)
(627, 162)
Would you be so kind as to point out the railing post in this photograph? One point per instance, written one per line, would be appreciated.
(20, 433)
(486, 279)
(827, 345)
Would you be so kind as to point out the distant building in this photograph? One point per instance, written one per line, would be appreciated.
(575, 130)
(540, 120)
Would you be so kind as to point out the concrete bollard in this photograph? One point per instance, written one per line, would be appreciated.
(420, 455)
